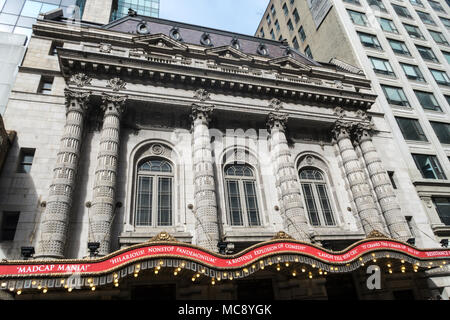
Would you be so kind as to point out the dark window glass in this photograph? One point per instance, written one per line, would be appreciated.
(438, 37)
(295, 43)
(401, 11)
(426, 18)
(395, 96)
(427, 53)
(285, 9)
(443, 209)
(442, 131)
(296, 16)
(308, 52)
(391, 177)
(411, 129)
(302, 34)
(440, 77)
(446, 22)
(413, 31)
(436, 6)
(45, 87)
(26, 157)
(399, 47)
(381, 66)
(416, 3)
(387, 25)
(290, 25)
(358, 17)
(412, 72)
(429, 166)
(369, 40)
(9, 225)
(353, 2)
(447, 56)
(378, 4)
(427, 100)
(277, 25)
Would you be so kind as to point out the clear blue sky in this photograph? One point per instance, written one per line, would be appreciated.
(241, 16)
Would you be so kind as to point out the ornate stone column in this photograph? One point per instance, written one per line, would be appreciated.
(207, 225)
(381, 183)
(362, 195)
(292, 211)
(103, 203)
(56, 217)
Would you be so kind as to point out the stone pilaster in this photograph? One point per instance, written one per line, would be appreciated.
(103, 203)
(396, 222)
(55, 222)
(206, 224)
(292, 211)
(362, 195)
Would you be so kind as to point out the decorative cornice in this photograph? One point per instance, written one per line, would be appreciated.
(80, 79)
(363, 131)
(342, 129)
(116, 84)
(376, 234)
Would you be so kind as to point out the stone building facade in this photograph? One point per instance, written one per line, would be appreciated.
(146, 126)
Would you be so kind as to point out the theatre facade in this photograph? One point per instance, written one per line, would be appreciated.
(157, 159)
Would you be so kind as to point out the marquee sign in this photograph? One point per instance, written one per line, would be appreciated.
(181, 251)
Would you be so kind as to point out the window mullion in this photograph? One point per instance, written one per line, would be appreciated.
(155, 200)
(318, 204)
(243, 203)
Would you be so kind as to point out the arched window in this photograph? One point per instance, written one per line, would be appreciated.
(316, 197)
(154, 193)
(240, 183)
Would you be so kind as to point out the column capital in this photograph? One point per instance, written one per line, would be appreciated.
(342, 129)
(277, 119)
(113, 102)
(76, 100)
(363, 131)
(202, 110)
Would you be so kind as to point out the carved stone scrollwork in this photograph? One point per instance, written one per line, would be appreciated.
(277, 119)
(116, 101)
(105, 47)
(163, 237)
(80, 80)
(363, 131)
(376, 234)
(276, 104)
(202, 110)
(202, 95)
(340, 112)
(281, 235)
(116, 84)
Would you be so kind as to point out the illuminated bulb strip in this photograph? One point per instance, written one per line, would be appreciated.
(19, 292)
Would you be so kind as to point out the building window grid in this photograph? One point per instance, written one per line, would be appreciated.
(411, 129)
(395, 96)
(399, 47)
(369, 40)
(442, 131)
(429, 166)
(427, 53)
(381, 66)
(412, 72)
(402, 11)
(142, 7)
(427, 101)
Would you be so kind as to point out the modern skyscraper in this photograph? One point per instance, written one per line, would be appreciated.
(148, 8)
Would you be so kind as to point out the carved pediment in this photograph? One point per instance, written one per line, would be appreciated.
(289, 63)
(159, 41)
(228, 52)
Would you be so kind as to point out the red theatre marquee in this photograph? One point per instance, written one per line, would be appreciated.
(164, 251)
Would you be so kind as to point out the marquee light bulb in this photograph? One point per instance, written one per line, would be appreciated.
(390, 270)
(116, 284)
(4, 283)
(19, 292)
(70, 289)
(175, 273)
(93, 288)
(287, 264)
(45, 290)
(294, 274)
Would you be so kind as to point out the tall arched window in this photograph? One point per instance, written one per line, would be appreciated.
(154, 193)
(240, 183)
(316, 197)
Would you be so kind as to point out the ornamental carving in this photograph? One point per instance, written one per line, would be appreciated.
(80, 80)
(276, 104)
(198, 110)
(118, 101)
(157, 149)
(104, 47)
(339, 112)
(276, 117)
(363, 130)
(202, 95)
(116, 84)
(281, 235)
(163, 237)
(376, 234)
(342, 128)
(81, 97)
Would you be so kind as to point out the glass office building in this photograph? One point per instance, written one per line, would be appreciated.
(143, 7)
(17, 16)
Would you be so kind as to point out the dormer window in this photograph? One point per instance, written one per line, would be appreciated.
(262, 50)
(142, 28)
(235, 43)
(175, 34)
(206, 40)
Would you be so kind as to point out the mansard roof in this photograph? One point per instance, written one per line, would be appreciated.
(192, 34)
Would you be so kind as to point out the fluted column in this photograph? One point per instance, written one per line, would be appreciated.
(55, 222)
(207, 226)
(362, 195)
(103, 203)
(292, 211)
(396, 222)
